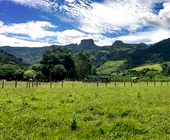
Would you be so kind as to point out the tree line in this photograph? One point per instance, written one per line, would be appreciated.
(60, 63)
(56, 65)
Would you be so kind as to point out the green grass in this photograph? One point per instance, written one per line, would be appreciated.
(109, 67)
(83, 111)
(154, 66)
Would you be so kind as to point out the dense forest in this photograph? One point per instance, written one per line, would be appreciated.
(75, 62)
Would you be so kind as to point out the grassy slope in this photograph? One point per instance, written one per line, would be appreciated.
(137, 112)
(109, 67)
(154, 66)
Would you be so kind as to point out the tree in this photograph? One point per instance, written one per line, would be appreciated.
(58, 72)
(61, 56)
(151, 74)
(83, 64)
(10, 72)
(93, 71)
(38, 69)
(165, 68)
(29, 74)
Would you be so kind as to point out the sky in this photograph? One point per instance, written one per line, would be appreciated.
(37, 23)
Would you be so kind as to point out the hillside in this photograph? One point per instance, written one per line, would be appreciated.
(7, 58)
(155, 53)
(134, 54)
(99, 55)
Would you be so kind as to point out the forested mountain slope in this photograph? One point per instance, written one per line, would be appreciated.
(134, 54)
(7, 58)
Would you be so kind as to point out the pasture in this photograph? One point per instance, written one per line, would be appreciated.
(110, 66)
(83, 111)
(156, 67)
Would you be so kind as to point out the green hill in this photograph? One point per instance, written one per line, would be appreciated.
(135, 54)
(110, 67)
(154, 67)
(7, 58)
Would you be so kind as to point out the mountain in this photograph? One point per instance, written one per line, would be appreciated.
(32, 55)
(85, 44)
(117, 51)
(155, 53)
(134, 54)
(29, 55)
(7, 58)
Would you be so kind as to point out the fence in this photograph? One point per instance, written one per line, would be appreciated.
(31, 84)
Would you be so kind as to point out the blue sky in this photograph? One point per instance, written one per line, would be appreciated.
(36, 23)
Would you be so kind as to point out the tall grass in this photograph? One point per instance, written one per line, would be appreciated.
(84, 111)
(153, 66)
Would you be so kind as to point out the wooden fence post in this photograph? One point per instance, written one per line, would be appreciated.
(37, 83)
(3, 83)
(115, 83)
(154, 83)
(15, 83)
(32, 83)
(62, 84)
(51, 84)
(29, 84)
(73, 84)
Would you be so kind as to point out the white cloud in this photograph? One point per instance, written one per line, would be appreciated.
(15, 42)
(148, 37)
(69, 0)
(38, 29)
(27, 34)
(150, 2)
(164, 14)
(70, 36)
(113, 16)
(46, 5)
(105, 17)
(94, 20)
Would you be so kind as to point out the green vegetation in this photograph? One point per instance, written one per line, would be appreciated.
(7, 58)
(110, 67)
(86, 111)
(80, 111)
(119, 61)
(55, 65)
(156, 67)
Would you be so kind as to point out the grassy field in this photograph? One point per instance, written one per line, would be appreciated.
(110, 66)
(83, 111)
(154, 66)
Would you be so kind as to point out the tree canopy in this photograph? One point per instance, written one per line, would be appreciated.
(56, 64)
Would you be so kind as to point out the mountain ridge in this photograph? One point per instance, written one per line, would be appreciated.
(135, 54)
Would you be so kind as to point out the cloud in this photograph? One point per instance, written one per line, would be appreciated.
(31, 34)
(91, 19)
(164, 14)
(115, 16)
(45, 5)
(150, 2)
(105, 17)
(69, 0)
(34, 30)
(148, 37)
(15, 42)
(70, 36)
